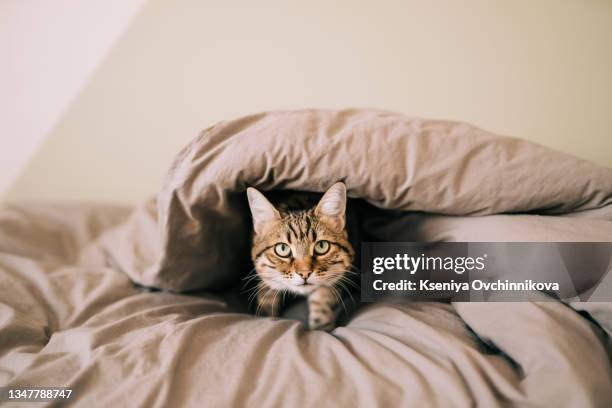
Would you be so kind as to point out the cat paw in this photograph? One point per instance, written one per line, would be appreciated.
(319, 323)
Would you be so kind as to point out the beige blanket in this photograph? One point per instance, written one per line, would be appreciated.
(71, 316)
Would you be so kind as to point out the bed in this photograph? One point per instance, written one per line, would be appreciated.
(142, 306)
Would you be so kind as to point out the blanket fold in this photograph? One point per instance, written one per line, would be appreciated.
(390, 160)
(70, 314)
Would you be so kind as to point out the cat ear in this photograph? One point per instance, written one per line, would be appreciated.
(262, 210)
(332, 206)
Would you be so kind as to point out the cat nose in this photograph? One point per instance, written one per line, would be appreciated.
(304, 274)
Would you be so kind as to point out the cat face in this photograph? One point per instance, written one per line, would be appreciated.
(299, 251)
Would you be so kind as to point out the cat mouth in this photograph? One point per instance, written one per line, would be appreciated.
(306, 287)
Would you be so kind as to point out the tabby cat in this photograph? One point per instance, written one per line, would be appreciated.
(304, 252)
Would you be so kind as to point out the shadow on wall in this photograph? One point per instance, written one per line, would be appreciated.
(539, 71)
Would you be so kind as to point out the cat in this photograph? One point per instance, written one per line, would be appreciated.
(303, 251)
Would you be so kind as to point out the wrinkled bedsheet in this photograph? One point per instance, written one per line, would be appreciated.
(70, 317)
(75, 310)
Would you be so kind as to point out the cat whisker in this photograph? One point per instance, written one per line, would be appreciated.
(253, 295)
(350, 272)
(346, 289)
(247, 290)
(343, 289)
(257, 290)
(253, 292)
(338, 298)
(251, 271)
(348, 280)
(275, 312)
(249, 278)
(259, 304)
(249, 281)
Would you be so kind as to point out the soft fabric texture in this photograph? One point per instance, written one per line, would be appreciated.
(69, 317)
(390, 160)
(70, 314)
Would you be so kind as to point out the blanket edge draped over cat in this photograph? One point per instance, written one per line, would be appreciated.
(391, 160)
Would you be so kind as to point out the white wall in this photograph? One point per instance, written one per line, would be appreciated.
(48, 51)
(535, 69)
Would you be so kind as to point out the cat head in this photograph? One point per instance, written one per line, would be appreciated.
(299, 251)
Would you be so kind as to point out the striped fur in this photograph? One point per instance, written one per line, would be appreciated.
(300, 266)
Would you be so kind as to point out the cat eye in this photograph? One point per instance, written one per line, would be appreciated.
(282, 250)
(321, 247)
